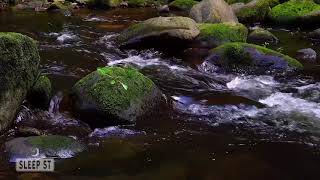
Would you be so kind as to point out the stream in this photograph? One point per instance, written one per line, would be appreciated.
(218, 126)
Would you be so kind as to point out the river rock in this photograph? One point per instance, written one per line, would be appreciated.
(212, 35)
(293, 11)
(248, 58)
(308, 55)
(40, 94)
(103, 3)
(37, 5)
(182, 4)
(261, 36)
(212, 11)
(315, 34)
(48, 146)
(114, 95)
(160, 32)
(19, 63)
(253, 11)
(137, 3)
(163, 9)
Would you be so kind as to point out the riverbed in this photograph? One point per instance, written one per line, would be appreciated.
(219, 126)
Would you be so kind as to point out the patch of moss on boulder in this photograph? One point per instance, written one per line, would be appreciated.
(254, 11)
(249, 58)
(48, 146)
(19, 68)
(182, 4)
(261, 36)
(295, 10)
(115, 95)
(103, 3)
(216, 34)
(159, 32)
(40, 94)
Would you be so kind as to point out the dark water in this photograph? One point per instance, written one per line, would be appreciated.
(220, 126)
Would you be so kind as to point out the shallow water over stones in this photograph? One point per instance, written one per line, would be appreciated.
(218, 125)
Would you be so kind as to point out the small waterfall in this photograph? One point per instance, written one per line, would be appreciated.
(55, 103)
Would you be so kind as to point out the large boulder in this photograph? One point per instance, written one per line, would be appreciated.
(293, 11)
(19, 63)
(212, 11)
(159, 32)
(254, 11)
(248, 58)
(182, 4)
(212, 35)
(114, 95)
(43, 146)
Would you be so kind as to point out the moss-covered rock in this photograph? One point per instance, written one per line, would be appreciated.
(38, 5)
(48, 146)
(212, 35)
(19, 63)
(254, 11)
(182, 4)
(295, 10)
(159, 32)
(212, 11)
(248, 58)
(114, 95)
(40, 94)
(60, 5)
(261, 36)
(104, 3)
(137, 3)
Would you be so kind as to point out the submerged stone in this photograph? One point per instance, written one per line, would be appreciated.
(114, 95)
(248, 58)
(212, 35)
(309, 55)
(19, 63)
(212, 11)
(43, 146)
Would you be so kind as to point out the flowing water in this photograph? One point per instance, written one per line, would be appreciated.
(219, 126)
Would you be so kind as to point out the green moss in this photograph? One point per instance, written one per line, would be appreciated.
(292, 10)
(258, 12)
(19, 61)
(53, 142)
(43, 84)
(183, 4)
(223, 32)
(113, 89)
(236, 51)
